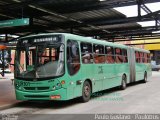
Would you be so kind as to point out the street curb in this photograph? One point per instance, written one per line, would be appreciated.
(8, 106)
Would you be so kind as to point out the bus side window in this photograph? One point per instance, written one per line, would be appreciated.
(141, 57)
(145, 57)
(125, 56)
(86, 53)
(137, 57)
(73, 59)
(118, 55)
(109, 51)
(99, 56)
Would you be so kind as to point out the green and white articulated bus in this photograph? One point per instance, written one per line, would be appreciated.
(60, 66)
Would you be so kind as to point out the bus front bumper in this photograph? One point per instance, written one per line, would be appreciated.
(60, 94)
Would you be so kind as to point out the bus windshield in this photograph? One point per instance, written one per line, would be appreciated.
(39, 61)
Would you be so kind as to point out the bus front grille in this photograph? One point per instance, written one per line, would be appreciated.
(36, 88)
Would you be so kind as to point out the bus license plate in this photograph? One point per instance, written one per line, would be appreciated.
(22, 83)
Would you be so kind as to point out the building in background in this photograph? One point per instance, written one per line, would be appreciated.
(153, 48)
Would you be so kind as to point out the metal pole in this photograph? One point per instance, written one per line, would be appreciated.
(3, 65)
(6, 37)
(156, 23)
(139, 8)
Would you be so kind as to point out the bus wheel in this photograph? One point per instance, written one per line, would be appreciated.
(123, 83)
(86, 92)
(145, 77)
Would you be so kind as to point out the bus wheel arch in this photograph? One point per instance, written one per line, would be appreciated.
(86, 90)
(123, 82)
(90, 82)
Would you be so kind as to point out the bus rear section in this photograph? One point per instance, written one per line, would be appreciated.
(140, 67)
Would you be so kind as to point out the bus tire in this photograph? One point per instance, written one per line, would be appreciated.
(145, 77)
(86, 92)
(123, 83)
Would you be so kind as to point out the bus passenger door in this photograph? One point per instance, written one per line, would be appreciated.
(73, 67)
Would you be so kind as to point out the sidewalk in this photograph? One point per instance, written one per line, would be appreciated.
(7, 95)
(7, 76)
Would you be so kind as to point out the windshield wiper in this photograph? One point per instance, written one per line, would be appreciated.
(20, 66)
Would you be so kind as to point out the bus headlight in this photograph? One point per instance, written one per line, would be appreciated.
(18, 87)
(54, 88)
(57, 86)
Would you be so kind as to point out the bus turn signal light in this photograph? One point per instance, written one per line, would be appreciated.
(55, 97)
(62, 82)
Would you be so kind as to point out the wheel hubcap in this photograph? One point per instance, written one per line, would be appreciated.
(86, 91)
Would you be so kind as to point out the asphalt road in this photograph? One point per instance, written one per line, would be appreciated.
(139, 98)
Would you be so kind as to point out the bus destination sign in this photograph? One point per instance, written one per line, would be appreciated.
(42, 39)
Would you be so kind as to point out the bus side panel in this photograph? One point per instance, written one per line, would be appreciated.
(74, 89)
(124, 69)
(119, 70)
(144, 67)
(89, 73)
(99, 76)
(140, 68)
(109, 76)
(113, 74)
